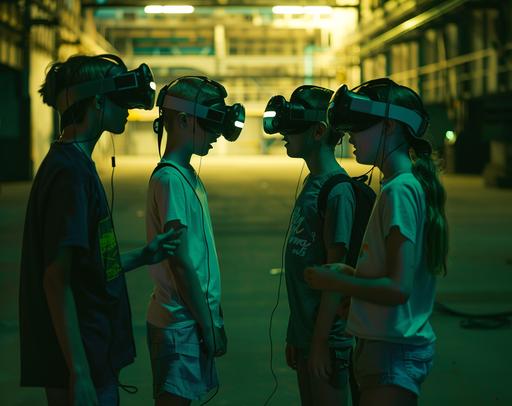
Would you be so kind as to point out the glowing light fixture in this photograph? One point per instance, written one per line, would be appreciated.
(288, 10)
(157, 9)
(302, 10)
(451, 137)
(317, 10)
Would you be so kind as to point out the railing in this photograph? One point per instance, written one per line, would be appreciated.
(470, 75)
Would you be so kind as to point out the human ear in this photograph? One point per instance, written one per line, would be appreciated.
(320, 131)
(182, 120)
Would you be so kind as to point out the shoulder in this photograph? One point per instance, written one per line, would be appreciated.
(403, 191)
(338, 187)
(168, 179)
(64, 168)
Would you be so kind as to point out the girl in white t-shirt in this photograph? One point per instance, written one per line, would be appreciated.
(404, 248)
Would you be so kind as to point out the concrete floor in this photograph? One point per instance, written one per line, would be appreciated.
(250, 200)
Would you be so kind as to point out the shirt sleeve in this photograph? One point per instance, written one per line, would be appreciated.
(66, 213)
(339, 215)
(171, 198)
(401, 209)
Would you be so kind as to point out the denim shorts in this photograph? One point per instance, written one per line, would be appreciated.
(179, 365)
(379, 363)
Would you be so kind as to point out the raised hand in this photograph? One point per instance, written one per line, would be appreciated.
(162, 246)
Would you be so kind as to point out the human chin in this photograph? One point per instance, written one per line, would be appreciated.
(117, 129)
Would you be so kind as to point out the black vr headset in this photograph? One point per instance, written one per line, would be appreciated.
(133, 89)
(213, 115)
(351, 110)
(291, 117)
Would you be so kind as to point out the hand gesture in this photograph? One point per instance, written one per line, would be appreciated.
(162, 246)
(322, 277)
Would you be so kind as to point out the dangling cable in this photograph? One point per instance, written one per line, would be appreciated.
(113, 161)
(276, 382)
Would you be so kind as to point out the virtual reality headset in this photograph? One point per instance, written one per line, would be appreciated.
(356, 111)
(291, 117)
(133, 89)
(213, 116)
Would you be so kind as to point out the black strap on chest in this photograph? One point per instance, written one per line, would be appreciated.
(364, 201)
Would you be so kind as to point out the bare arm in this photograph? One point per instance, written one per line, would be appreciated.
(319, 361)
(188, 281)
(391, 290)
(330, 301)
(62, 307)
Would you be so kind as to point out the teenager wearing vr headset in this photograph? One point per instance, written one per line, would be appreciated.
(75, 321)
(316, 344)
(404, 248)
(185, 322)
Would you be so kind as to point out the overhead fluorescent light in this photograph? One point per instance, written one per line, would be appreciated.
(157, 9)
(317, 10)
(302, 9)
(288, 10)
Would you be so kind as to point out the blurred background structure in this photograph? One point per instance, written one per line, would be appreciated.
(456, 53)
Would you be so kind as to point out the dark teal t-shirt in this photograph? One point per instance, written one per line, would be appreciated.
(68, 208)
(306, 245)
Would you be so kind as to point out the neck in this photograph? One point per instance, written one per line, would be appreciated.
(85, 137)
(178, 155)
(322, 161)
(397, 162)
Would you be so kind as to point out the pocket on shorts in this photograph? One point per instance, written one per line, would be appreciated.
(170, 343)
(418, 360)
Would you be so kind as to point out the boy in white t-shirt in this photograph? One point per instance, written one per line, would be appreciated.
(404, 248)
(185, 324)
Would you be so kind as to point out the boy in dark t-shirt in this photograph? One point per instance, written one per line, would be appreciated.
(75, 321)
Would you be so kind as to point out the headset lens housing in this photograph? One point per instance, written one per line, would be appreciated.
(135, 89)
(341, 117)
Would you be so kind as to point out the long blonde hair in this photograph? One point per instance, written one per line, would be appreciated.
(426, 170)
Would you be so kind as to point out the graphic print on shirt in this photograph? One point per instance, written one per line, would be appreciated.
(109, 250)
(300, 238)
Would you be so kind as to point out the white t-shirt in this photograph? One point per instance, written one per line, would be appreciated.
(171, 197)
(401, 203)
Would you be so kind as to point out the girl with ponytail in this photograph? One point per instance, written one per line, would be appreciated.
(404, 248)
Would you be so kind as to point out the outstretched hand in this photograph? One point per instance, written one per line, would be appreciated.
(162, 246)
(324, 277)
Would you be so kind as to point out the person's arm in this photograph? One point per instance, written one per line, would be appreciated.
(393, 289)
(162, 246)
(61, 304)
(319, 360)
(190, 290)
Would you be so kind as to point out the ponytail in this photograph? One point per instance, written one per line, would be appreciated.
(425, 169)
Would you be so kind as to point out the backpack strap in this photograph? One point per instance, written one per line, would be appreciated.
(326, 189)
(364, 201)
